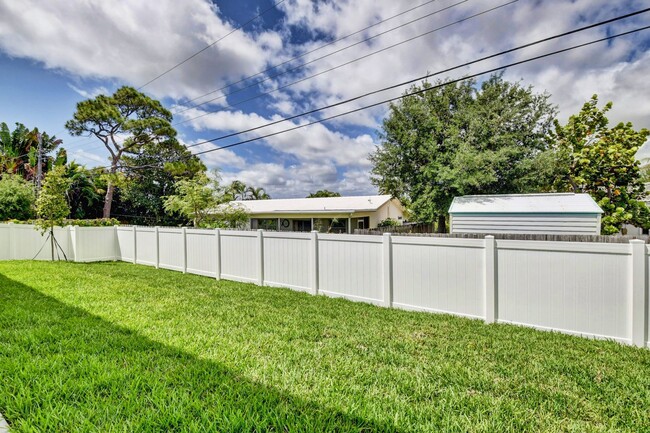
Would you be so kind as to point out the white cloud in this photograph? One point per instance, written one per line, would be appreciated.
(134, 42)
(92, 93)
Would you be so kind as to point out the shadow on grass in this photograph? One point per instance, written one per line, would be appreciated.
(62, 369)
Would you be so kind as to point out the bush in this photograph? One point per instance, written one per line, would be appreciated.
(17, 198)
(388, 222)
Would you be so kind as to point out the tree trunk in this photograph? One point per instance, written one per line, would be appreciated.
(442, 224)
(110, 189)
(52, 241)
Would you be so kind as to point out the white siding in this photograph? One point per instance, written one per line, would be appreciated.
(526, 224)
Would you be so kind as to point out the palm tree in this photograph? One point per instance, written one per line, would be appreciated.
(256, 194)
(237, 190)
(18, 150)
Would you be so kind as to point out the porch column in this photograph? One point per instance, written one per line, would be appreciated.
(349, 225)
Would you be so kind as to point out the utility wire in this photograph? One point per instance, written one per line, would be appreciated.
(501, 53)
(313, 60)
(270, 68)
(309, 77)
(607, 38)
(212, 44)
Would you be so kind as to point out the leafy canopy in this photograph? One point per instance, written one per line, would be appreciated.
(124, 123)
(51, 205)
(17, 198)
(459, 139)
(601, 161)
(323, 193)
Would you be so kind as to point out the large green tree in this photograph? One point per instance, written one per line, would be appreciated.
(152, 175)
(461, 138)
(593, 158)
(124, 122)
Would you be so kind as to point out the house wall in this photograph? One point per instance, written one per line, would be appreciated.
(583, 224)
(390, 209)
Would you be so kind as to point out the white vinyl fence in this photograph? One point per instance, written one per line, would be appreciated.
(590, 289)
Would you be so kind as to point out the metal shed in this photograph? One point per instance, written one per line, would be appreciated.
(561, 213)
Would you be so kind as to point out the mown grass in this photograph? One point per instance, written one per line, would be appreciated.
(113, 347)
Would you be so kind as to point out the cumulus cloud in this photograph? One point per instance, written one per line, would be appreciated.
(134, 41)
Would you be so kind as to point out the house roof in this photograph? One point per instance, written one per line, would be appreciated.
(318, 205)
(525, 203)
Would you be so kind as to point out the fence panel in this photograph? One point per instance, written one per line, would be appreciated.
(439, 275)
(5, 242)
(578, 288)
(94, 244)
(350, 266)
(172, 248)
(201, 252)
(146, 246)
(239, 256)
(125, 245)
(286, 260)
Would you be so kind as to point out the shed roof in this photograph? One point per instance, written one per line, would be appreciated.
(315, 205)
(568, 203)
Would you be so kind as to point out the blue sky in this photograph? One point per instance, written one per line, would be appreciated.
(56, 53)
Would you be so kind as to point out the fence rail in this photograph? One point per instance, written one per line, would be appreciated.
(592, 289)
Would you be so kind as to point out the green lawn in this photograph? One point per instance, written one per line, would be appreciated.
(114, 347)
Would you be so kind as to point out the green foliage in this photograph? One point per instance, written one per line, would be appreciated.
(17, 198)
(388, 222)
(115, 347)
(51, 205)
(19, 150)
(323, 193)
(238, 190)
(150, 177)
(124, 122)
(461, 139)
(601, 161)
(229, 216)
(194, 198)
(85, 192)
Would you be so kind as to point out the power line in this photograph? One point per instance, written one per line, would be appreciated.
(311, 61)
(212, 44)
(343, 64)
(518, 48)
(424, 90)
(311, 51)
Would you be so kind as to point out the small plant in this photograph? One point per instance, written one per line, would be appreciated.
(388, 222)
(51, 205)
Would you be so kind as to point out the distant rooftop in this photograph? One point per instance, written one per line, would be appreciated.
(525, 203)
(315, 205)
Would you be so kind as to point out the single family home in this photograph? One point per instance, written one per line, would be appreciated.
(325, 214)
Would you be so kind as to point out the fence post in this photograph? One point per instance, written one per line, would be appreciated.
(313, 262)
(491, 313)
(639, 293)
(157, 246)
(184, 232)
(387, 269)
(135, 245)
(75, 245)
(260, 257)
(217, 237)
(12, 242)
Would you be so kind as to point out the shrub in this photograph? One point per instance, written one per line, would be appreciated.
(388, 222)
(17, 198)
